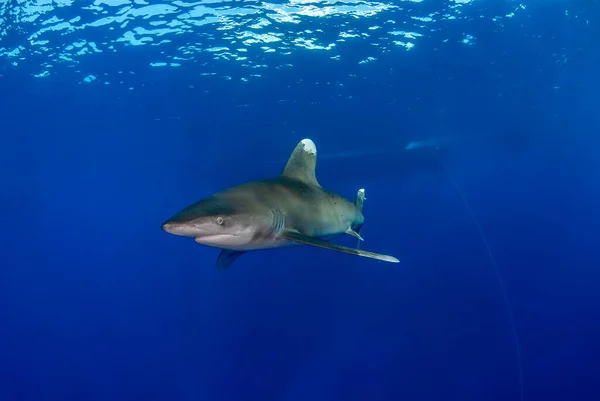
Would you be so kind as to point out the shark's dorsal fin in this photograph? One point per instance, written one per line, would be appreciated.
(301, 164)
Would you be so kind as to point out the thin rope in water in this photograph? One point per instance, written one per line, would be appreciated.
(498, 276)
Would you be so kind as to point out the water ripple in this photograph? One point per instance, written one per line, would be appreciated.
(50, 33)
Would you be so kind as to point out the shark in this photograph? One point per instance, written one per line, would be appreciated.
(290, 209)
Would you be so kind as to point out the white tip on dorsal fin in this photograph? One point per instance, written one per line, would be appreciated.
(301, 164)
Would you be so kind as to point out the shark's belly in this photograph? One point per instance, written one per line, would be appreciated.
(271, 243)
(258, 244)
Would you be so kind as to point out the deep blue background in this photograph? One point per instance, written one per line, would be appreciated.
(97, 303)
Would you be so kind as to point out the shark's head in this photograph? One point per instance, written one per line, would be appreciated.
(214, 221)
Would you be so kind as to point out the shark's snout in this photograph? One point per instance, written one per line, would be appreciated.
(170, 227)
(176, 228)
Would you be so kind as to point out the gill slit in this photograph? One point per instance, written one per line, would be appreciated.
(278, 221)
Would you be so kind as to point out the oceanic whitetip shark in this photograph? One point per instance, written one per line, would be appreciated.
(287, 210)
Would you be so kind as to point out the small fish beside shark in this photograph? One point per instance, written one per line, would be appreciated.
(287, 210)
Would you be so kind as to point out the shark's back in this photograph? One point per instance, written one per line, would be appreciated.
(309, 209)
(315, 211)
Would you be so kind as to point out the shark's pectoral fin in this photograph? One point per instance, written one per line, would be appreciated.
(354, 234)
(295, 236)
(227, 257)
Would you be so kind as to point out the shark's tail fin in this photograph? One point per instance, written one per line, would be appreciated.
(358, 202)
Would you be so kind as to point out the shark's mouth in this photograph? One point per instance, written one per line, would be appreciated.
(228, 241)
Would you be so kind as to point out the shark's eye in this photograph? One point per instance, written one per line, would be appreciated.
(220, 221)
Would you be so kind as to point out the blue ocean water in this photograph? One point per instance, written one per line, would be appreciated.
(116, 114)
